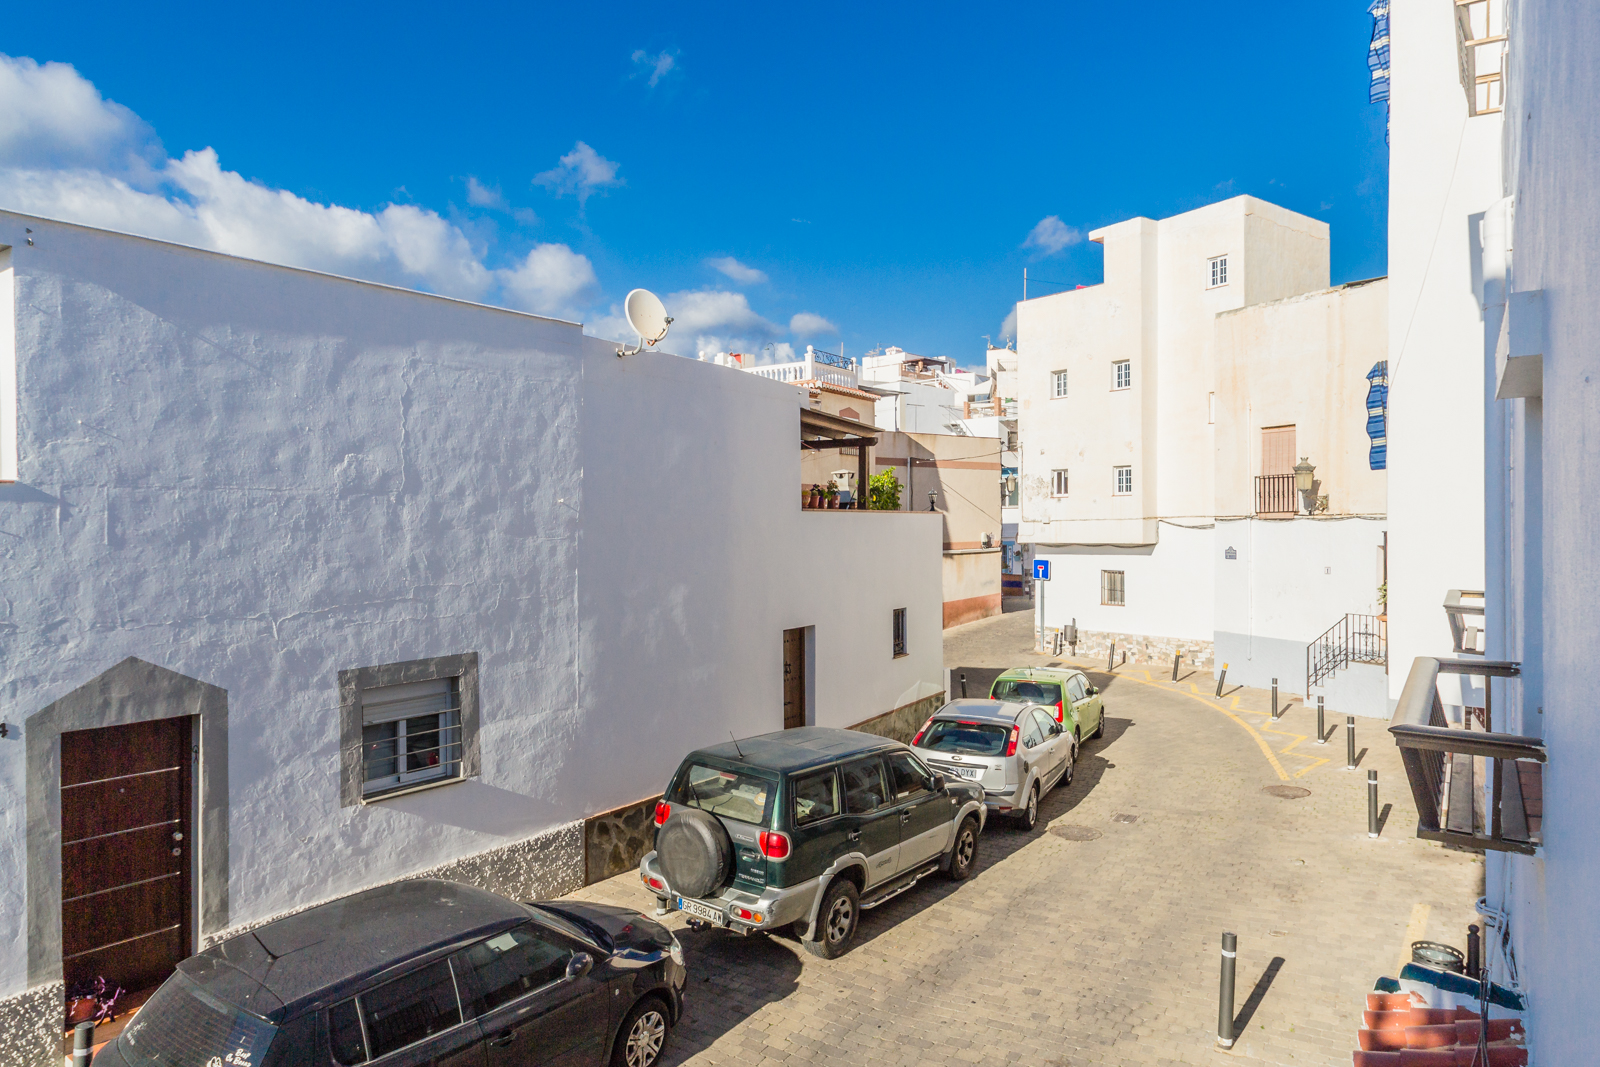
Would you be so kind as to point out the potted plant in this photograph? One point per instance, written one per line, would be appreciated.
(814, 497)
(832, 493)
(93, 1001)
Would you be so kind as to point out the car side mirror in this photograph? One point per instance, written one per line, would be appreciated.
(1094, 690)
(938, 782)
(1056, 729)
(580, 965)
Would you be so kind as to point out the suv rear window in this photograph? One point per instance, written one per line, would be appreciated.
(731, 794)
(966, 738)
(1027, 691)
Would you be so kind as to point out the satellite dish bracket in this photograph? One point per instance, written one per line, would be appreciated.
(643, 344)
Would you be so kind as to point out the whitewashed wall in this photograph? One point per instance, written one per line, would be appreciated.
(259, 477)
(1169, 586)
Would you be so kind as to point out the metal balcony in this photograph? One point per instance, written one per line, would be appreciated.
(1275, 495)
(1466, 636)
(1447, 767)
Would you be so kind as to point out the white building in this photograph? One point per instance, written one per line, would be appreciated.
(1159, 408)
(405, 584)
(1530, 345)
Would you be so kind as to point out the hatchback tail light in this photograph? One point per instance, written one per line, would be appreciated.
(1011, 745)
(918, 739)
(663, 812)
(774, 845)
(1061, 712)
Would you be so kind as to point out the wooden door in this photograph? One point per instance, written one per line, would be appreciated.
(1277, 450)
(126, 848)
(794, 678)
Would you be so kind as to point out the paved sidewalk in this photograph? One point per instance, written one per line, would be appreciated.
(1063, 950)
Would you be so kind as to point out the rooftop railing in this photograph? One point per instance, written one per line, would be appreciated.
(1465, 632)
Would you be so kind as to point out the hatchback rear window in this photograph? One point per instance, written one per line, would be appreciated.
(966, 738)
(732, 794)
(1027, 691)
(184, 1026)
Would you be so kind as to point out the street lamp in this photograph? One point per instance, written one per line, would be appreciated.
(1303, 472)
(932, 496)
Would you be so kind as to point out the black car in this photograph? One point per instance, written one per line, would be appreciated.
(419, 972)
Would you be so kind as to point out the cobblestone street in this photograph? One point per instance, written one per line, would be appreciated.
(1094, 939)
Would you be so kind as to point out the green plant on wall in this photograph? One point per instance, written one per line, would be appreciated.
(1383, 596)
(885, 491)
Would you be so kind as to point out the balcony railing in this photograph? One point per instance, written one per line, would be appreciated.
(1466, 636)
(1447, 766)
(1275, 495)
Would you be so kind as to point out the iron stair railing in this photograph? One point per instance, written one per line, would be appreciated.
(1353, 639)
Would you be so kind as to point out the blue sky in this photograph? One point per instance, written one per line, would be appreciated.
(878, 167)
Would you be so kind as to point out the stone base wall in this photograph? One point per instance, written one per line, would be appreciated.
(902, 723)
(31, 1025)
(615, 841)
(1143, 649)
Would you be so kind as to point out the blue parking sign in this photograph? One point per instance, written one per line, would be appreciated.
(1041, 570)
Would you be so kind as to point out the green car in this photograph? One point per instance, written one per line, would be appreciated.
(806, 829)
(1079, 706)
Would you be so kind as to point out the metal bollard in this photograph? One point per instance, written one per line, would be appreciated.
(1124, 662)
(1230, 955)
(82, 1044)
(1111, 657)
(1349, 742)
(1274, 700)
(1322, 737)
(1222, 679)
(1474, 953)
(963, 685)
(1372, 803)
(1176, 656)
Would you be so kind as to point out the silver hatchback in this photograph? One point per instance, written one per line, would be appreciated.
(1017, 752)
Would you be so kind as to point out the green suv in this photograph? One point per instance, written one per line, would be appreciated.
(806, 828)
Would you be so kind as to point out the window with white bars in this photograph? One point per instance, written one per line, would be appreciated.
(1122, 374)
(1219, 271)
(1058, 483)
(1058, 384)
(1124, 480)
(410, 734)
(1112, 591)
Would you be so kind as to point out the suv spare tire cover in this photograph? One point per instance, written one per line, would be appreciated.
(694, 851)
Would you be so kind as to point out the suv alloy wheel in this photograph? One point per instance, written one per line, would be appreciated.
(964, 853)
(836, 920)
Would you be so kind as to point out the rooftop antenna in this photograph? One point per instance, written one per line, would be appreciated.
(649, 320)
(736, 747)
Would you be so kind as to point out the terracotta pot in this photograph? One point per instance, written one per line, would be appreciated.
(81, 1010)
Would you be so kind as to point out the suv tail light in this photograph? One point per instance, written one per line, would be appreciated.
(1011, 745)
(918, 739)
(663, 812)
(774, 845)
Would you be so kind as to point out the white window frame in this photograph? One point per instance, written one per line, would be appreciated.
(1058, 385)
(365, 699)
(1121, 375)
(1117, 477)
(1059, 482)
(1217, 267)
(1119, 588)
(438, 699)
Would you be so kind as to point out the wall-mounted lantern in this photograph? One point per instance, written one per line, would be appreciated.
(1303, 481)
(932, 497)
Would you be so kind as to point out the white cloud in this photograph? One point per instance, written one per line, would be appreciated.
(67, 153)
(703, 311)
(580, 172)
(654, 67)
(807, 324)
(1051, 235)
(1008, 328)
(480, 195)
(737, 271)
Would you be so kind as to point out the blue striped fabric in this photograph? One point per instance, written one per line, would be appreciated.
(1378, 410)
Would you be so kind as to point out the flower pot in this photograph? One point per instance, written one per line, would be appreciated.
(81, 1010)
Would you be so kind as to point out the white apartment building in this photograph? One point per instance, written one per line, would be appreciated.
(1151, 409)
(1517, 374)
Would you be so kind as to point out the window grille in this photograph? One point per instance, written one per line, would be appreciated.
(1058, 483)
(900, 632)
(1112, 591)
(410, 733)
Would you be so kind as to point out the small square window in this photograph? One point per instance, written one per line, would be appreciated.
(1058, 384)
(1219, 272)
(1124, 480)
(1058, 483)
(1112, 591)
(900, 632)
(407, 725)
(1122, 374)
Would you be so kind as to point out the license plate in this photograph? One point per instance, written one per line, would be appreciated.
(703, 911)
(968, 772)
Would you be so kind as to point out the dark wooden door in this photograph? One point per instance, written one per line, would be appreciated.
(794, 678)
(126, 847)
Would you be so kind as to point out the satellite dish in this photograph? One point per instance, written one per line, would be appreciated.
(648, 317)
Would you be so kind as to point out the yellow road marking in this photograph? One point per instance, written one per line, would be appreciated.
(1266, 749)
(1235, 703)
(1316, 761)
(1193, 688)
(1416, 930)
(1146, 675)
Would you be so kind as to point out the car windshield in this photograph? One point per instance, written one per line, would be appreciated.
(723, 792)
(1027, 691)
(184, 1026)
(966, 738)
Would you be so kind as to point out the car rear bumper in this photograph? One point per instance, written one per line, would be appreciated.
(1003, 800)
(767, 910)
